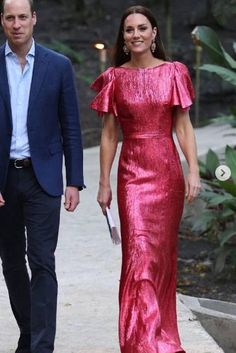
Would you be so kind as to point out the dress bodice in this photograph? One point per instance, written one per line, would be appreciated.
(143, 99)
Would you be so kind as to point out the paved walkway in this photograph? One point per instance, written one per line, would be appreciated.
(88, 267)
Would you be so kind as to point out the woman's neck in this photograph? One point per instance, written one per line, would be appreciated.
(143, 61)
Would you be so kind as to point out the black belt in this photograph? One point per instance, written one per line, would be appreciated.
(20, 163)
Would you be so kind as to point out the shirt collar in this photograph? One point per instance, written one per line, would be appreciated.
(31, 52)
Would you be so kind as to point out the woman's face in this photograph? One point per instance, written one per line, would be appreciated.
(138, 33)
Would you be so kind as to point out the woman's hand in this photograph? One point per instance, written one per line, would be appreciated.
(193, 186)
(104, 197)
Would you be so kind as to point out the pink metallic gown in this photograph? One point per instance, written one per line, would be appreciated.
(150, 199)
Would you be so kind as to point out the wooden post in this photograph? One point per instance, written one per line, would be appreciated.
(198, 55)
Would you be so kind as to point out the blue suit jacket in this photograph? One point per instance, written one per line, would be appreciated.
(52, 123)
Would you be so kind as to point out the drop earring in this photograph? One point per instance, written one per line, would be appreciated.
(125, 49)
(153, 46)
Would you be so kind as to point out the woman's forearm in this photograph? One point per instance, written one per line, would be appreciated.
(187, 142)
(188, 146)
(108, 147)
(186, 139)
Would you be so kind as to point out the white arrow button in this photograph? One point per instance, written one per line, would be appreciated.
(223, 172)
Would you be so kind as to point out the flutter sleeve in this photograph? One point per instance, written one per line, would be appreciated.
(183, 92)
(104, 101)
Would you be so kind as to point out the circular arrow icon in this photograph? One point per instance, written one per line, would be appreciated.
(223, 172)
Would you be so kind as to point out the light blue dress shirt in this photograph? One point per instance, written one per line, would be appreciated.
(19, 84)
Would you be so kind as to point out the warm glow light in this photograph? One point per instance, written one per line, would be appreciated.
(99, 46)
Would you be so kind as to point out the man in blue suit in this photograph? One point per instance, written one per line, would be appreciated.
(39, 122)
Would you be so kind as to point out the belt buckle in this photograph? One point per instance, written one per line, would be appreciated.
(15, 164)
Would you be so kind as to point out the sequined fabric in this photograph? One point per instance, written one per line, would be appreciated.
(150, 199)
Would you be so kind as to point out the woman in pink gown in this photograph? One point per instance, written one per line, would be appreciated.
(147, 97)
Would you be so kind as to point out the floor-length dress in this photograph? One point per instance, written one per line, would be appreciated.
(150, 198)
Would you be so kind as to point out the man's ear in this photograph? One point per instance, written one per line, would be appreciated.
(34, 17)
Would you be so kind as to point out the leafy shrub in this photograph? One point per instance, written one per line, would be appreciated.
(218, 219)
(220, 63)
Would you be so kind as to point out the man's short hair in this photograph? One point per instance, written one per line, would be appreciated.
(31, 3)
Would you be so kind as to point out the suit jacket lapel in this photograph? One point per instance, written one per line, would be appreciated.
(4, 87)
(39, 72)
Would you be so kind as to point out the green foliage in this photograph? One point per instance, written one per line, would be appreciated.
(234, 46)
(68, 51)
(226, 119)
(75, 57)
(226, 74)
(212, 162)
(216, 53)
(218, 219)
(230, 158)
(220, 62)
(224, 12)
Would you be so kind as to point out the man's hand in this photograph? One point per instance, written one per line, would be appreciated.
(71, 198)
(2, 201)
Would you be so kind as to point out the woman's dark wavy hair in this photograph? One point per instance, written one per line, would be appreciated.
(119, 57)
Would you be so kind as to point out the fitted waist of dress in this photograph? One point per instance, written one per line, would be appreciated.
(146, 135)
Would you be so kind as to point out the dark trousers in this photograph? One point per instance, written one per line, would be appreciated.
(33, 300)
